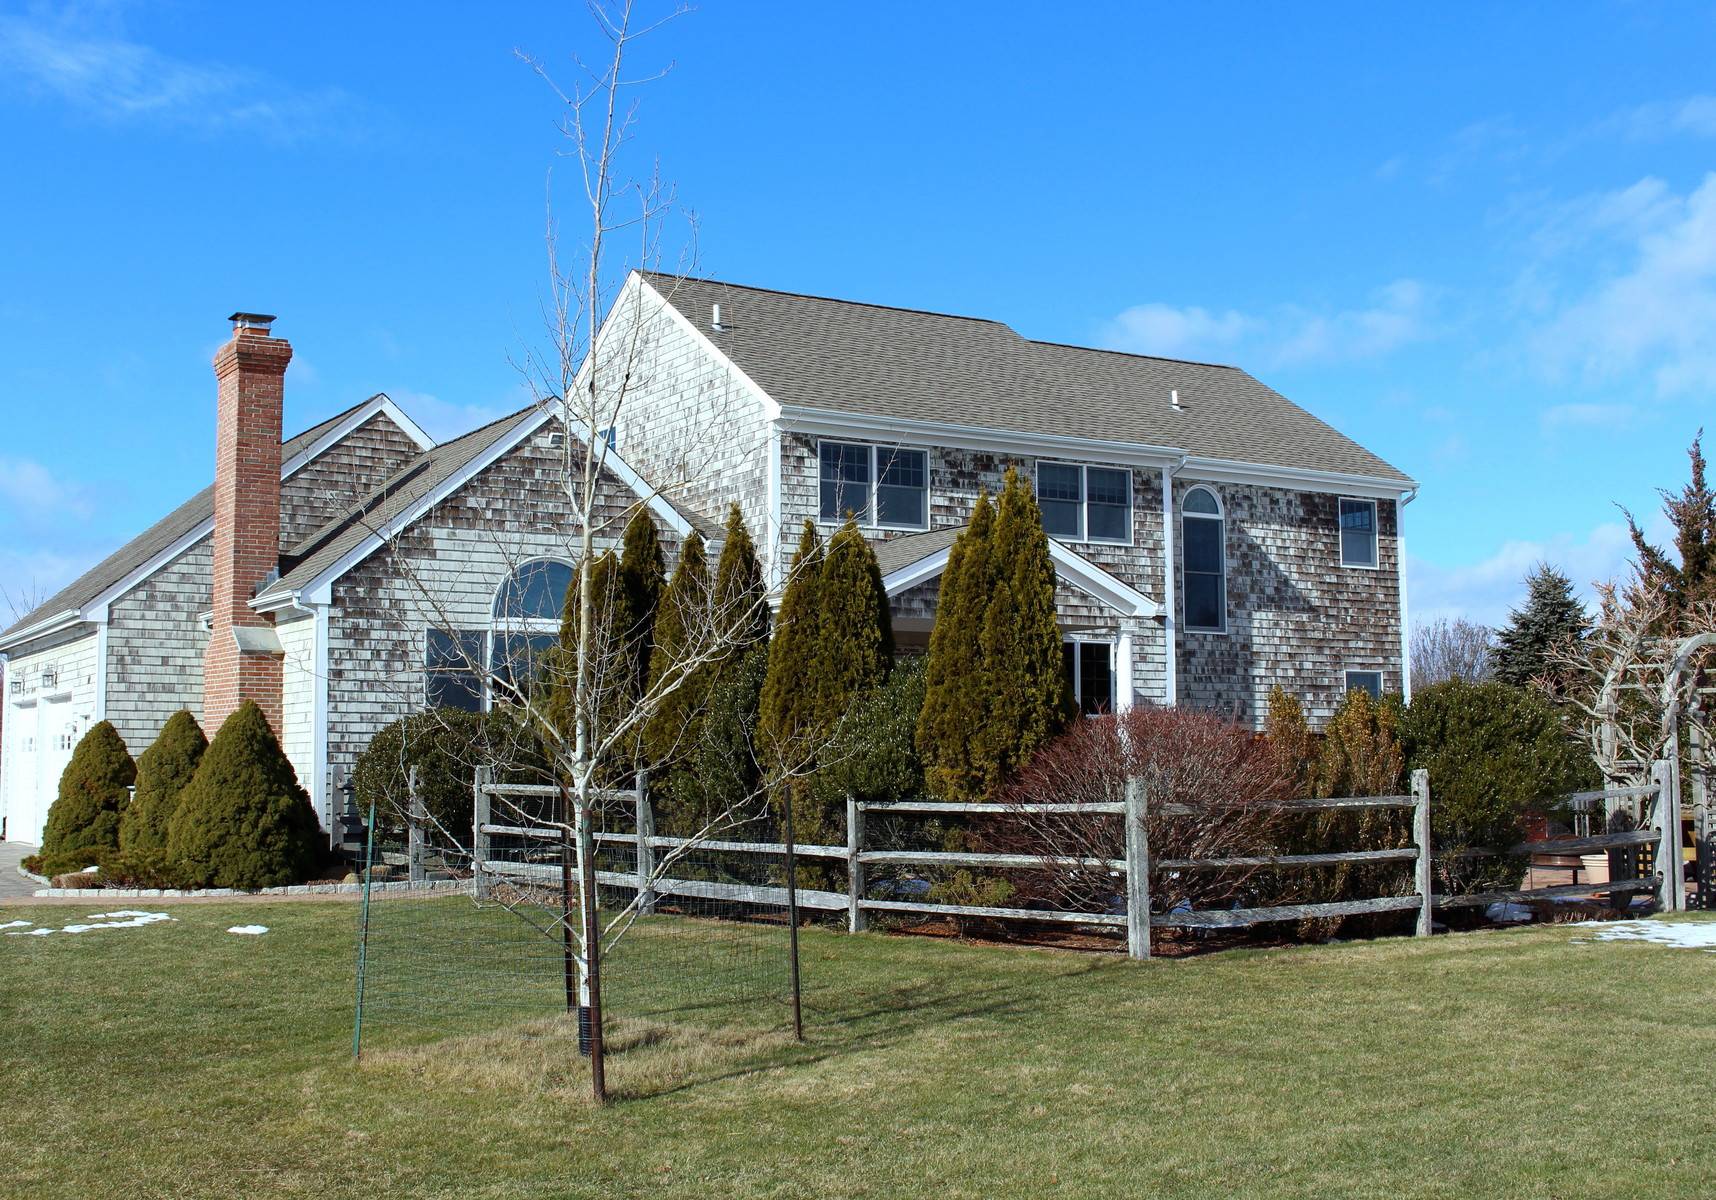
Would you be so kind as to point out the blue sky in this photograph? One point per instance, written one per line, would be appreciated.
(1480, 239)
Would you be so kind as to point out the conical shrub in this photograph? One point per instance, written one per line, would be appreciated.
(92, 796)
(163, 770)
(244, 821)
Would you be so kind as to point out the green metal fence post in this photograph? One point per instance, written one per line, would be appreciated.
(363, 932)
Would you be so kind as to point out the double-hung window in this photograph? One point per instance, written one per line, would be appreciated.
(881, 486)
(1203, 549)
(1365, 681)
(1085, 504)
(1358, 533)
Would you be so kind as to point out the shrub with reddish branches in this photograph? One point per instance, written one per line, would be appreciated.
(1207, 782)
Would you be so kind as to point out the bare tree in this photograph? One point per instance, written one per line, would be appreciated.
(22, 599)
(1632, 682)
(1446, 649)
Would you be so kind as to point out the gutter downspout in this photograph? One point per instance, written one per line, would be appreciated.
(1170, 600)
(1400, 567)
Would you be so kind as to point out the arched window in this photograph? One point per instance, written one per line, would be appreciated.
(1203, 552)
(524, 624)
(535, 591)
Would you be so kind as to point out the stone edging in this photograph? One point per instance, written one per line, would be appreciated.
(299, 889)
(33, 877)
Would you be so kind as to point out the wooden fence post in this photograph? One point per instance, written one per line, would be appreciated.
(1137, 870)
(646, 852)
(479, 839)
(856, 919)
(415, 814)
(1703, 837)
(1421, 834)
(1670, 897)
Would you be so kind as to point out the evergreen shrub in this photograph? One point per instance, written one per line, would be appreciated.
(94, 790)
(163, 770)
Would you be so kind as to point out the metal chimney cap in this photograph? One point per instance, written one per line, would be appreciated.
(250, 320)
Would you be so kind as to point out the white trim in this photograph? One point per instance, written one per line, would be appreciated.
(1304, 479)
(381, 402)
(1400, 569)
(773, 470)
(1375, 563)
(512, 573)
(870, 518)
(1170, 592)
(96, 609)
(63, 619)
(1123, 688)
(318, 590)
(1220, 516)
(1078, 571)
(1084, 537)
(321, 793)
(1076, 641)
(771, 410)
(865, 427)
(101, 669)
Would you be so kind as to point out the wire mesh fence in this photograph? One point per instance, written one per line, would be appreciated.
(459, 940)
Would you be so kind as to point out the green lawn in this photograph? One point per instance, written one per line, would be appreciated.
(177, 1059)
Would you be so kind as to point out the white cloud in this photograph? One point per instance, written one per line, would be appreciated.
(1653, 312)
(1558, 417)
(444, 419)
(1693, 116)
(118, 79)
(1487, 590)
(32, 490)
(1292, 335)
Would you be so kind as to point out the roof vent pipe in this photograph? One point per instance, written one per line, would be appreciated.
(1174, 399)
(715, 319)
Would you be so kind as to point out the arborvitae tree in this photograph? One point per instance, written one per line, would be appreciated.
(243, 820)
(1029, 698)
(1289, 736)
(788, 688)
(1693, 515)
(1550, 617)
(92, 796)
(953, 711)
(163, 770)
(1361, 754)
(854, 628)
(740, 592)
(684, 611)
(643, 581)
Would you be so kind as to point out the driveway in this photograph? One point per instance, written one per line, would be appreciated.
(14, 886)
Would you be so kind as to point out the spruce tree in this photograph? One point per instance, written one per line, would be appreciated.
(1693, 515)
(740, 593)
(1550, 617)
(92, 795)
(955, 687)
(163, 770)
(244, 821)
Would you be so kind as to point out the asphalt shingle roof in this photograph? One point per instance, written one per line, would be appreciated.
(896, 554)
(843, 356)
(162, 534)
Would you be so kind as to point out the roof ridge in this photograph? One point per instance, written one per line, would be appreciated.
(1190, 362)
(751, 287)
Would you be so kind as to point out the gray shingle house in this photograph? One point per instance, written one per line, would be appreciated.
(1212, 538)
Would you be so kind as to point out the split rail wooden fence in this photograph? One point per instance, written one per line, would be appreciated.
(1133, 871)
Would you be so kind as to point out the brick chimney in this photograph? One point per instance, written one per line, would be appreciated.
(243, 658)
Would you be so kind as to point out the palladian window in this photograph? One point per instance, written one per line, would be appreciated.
(1203, 551)
(524, 625)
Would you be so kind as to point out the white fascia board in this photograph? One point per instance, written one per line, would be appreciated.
(318, 591)
(909, 577)
(381, 402)
(96, 609)
(1222, 470)
(60, 620)
(1073, 568)
(869, 427)
(1088, 577)
(771, 409)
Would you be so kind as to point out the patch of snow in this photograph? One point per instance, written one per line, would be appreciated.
(1506, 912)
(125, 918)
(16, 924)
(1682, 935)
(258, 929)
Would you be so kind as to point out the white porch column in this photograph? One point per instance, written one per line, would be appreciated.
(1170, 647)
(1123, 659)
